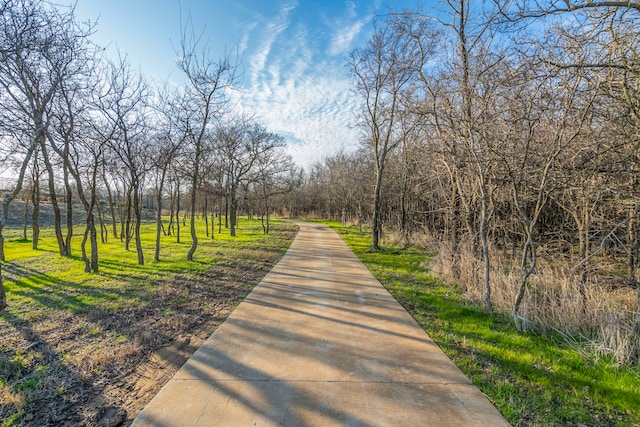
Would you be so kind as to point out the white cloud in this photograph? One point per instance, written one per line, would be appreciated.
(244, 40)
(313, 113)
(271, 33)
(297, 91)
(343, 38)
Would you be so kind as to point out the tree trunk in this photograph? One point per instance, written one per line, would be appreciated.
(156, 256)
(35, 214)
(377, 224)
(93, 236)
(226, 210)
(138, 221)
(57, 220)
(213, 221)
(3, 295)
(265, 195)
(205, 215)
(485, 249)
(172, 204)
(232, 209)
(127, 222)
(178, 215)
(25, 221)
(111, 208)
(104, 232)
(83, 249)
(120, 202)
(632, 243)
(528, 265)
(69, 202)
(220, 217)
(192, 222)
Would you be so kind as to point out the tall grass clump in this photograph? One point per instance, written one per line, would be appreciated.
(594, 314)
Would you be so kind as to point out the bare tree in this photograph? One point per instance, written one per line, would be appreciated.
(240, 144)
(123, 105)
(381, 71)
(274, 173)
(205, 101)
(168, 141)
(38, 46)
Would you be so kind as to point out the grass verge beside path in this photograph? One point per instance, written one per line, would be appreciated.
(532, 379)
(77, 348)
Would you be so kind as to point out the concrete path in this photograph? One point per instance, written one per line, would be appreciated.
(319, 342)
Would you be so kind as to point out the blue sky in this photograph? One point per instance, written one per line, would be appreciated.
(293, 56)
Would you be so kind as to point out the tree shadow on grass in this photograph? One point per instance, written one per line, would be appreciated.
(50, 391)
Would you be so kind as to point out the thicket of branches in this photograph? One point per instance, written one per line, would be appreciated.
(506, 138)
(86, 132)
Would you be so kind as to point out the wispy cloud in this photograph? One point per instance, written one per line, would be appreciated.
(343, 38)
(298, 86)
(313, 113)
(243, 44)
(271, 33)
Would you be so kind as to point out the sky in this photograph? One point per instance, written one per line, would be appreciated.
(294, 77)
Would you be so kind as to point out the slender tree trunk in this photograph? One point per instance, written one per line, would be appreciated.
(93, 235)
(156, 256)
(69, 202)
(90, 263)
(121, 216)
(632, 243)
(226, 210)
(220, 217)
(213, 221)
(138, 221)
(192, 222)
(178, 215)
(111, 207)
(83, 248)
(377, 206)
(170, 227)
(232, 209)
(3, 295)
(206, 216)
(527, 268)
(25, 221)
(127, 223)
(57, 218)
(265, 196)
(35, 214)
(485, 248)
(104, 231)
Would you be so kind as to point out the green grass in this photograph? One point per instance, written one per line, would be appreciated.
(38, 280)
(532, 379)
(64, 327)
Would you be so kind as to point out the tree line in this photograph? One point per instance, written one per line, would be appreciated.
(506, 136)
(84, 130)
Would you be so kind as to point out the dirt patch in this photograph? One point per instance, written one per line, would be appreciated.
(100, 368)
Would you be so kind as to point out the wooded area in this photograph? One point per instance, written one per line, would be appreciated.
(504, 136)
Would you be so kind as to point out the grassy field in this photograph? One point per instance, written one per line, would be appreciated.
(533, 379)
(70, 341)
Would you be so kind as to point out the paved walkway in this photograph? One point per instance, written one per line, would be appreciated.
(319, 342)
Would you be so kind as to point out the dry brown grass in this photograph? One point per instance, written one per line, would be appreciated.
(602, 322)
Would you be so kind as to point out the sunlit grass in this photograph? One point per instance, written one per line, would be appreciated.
(37, 279)
(63, 324)
(532, 379)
